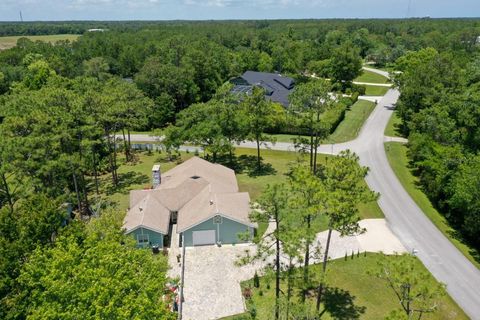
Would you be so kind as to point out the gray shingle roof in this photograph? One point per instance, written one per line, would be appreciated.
(277, 87)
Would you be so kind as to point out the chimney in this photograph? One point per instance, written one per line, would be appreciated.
(156, 176)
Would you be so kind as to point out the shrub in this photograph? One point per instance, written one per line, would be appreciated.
(256, 280)
(359, 88)
(247, 293)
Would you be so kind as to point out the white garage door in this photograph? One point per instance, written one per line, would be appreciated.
(203, 237)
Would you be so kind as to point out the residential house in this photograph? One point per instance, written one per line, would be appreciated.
(199, 198)
(277, 87)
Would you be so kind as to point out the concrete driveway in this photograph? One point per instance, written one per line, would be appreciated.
(212, 279)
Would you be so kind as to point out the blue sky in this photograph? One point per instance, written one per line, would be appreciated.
(231, 9)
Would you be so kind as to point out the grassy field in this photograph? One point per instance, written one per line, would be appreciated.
(371, 77)
(397, 156)
(392, 129)
(351, 294)
(9, 42)
(350, 127)
(376, 90)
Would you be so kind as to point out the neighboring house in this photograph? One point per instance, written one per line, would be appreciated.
(200, 198)
(277, 87)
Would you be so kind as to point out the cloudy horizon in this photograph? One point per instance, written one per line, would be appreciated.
(63, 10)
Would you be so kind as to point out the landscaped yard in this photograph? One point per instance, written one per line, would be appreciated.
(397, 156)
(352, 293)
(371, 77)
(392, 129)
(276, 166)
(376, 90)
(11, 41)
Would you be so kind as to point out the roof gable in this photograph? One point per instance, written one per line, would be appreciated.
(197, 190)
(277, 87)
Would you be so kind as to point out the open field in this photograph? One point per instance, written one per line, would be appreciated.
(371, 77)
(392, 129)
(376, 90)
(352, 293)
(10, 42)
(397, 157)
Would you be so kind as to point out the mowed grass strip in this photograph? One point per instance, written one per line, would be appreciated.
(375, 90)
(355, 117)
(392, 128)
(347, 130)
(397, 157)
(11, 41)
(371, 77)
(352, 291)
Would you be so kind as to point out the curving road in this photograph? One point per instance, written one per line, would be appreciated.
(408, 221)
(404, 217)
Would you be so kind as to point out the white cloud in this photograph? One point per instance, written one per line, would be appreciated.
(255, 3)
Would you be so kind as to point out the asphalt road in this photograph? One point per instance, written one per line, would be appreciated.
(407, 221)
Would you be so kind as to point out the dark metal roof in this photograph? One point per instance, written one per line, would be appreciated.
(277, 87)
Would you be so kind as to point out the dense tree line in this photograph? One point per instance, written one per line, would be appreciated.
(440, 109)
(58, 138)
(180, 63)
(63, 106)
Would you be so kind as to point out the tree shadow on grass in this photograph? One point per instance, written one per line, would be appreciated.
(340, 304)
(248, 164)
(125, 180)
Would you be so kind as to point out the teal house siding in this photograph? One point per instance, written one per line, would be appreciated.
(154, 238)
(225, 232)
(230, 229)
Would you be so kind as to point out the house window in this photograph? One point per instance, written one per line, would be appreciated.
(217, 219)
(142, 238)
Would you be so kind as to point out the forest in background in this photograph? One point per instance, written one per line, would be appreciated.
(61, 104)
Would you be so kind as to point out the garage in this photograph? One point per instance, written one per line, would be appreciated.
(203, 237)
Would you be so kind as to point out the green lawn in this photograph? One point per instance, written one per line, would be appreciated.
(11, 41)
(134, 176)
(276, 166)
(352, 293)
(281, 137)
(392, 129)
(376, 90)
(371, 77)
(355, 117)
(397, 156)
(347, 130)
